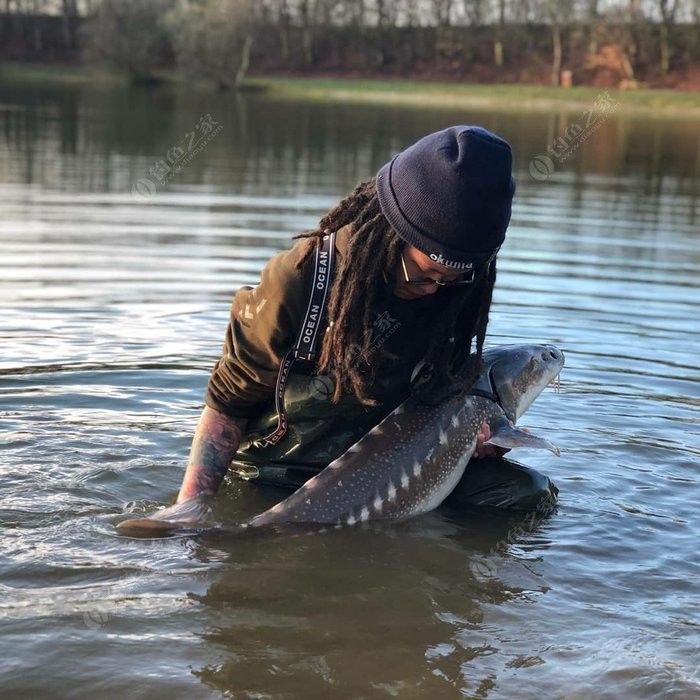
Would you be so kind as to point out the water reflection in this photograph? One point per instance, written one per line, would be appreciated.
(114, 311)
(108, 138)
(412, 608)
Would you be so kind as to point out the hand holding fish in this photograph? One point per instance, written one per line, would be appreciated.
(484, 450)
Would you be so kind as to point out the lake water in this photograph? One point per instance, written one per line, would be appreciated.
(114, 289)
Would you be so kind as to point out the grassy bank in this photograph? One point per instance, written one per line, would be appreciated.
(70, 74)
(38, 73)
(398, 92)
(515, 97)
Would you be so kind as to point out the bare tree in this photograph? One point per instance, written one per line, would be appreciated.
(441, 11)
(637, 29)
(213, 40)
(70, 14)
(306, 16)
(130, 35)
(475, 12)
(281, 17)
(556, 11)
(356, 10)
(499, 33)
(667, 9)
(592, 20)
(412, 12)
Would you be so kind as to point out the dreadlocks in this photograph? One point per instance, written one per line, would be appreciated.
(360, 280)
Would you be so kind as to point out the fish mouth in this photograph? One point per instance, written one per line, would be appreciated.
(556, 383)
(515, 380)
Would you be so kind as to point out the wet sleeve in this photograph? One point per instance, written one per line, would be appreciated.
(264, 323)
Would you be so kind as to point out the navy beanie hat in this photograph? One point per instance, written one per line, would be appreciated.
(450, 194)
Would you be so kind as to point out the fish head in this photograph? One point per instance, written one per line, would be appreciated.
(517, 374)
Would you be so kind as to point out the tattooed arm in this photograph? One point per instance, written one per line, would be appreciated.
(215, 443)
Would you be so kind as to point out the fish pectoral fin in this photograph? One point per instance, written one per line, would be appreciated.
(507, 436)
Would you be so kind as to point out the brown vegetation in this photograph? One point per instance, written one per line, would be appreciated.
(629, 44)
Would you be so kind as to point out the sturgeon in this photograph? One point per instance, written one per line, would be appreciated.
(411, 461)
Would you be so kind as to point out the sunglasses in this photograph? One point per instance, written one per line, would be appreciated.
(467, 278)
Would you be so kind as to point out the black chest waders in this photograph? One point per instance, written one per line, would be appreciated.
(306, 347)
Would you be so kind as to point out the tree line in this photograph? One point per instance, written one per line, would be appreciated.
(480, 40)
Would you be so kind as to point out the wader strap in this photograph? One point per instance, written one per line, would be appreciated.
(305, 347)
(490, 395)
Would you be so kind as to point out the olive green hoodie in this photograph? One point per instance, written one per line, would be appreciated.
(265, 322)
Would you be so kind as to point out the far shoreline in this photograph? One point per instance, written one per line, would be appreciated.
(652, 102)
(510, 97)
